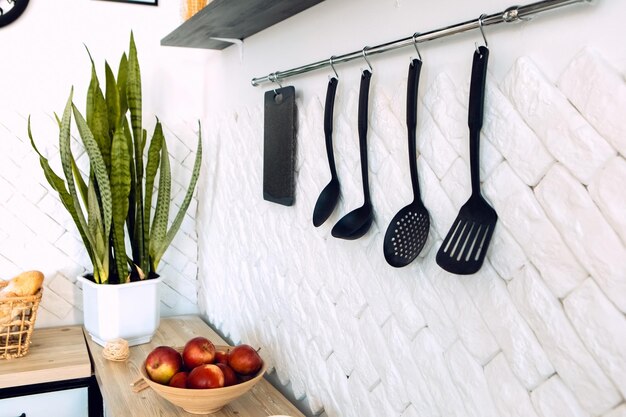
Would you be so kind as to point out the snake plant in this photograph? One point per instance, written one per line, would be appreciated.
(111, 205)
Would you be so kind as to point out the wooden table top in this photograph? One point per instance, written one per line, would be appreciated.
(55, 354)
(114, 379)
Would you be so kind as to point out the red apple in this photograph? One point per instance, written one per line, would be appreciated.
(221, 357)
(198, 351)
(162, 363)
(230, 377)
(205, 376)
(179, 380)
(244, 360)
(244, 378)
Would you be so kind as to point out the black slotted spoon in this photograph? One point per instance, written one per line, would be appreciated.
(408, 230)
(465, 246)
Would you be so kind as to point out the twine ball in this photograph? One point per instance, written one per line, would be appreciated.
(116, 350)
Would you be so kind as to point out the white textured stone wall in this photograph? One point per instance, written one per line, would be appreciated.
(540, 331)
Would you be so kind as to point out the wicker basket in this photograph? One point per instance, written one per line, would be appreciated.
(17, 321)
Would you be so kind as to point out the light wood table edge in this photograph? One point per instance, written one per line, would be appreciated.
(36, 367)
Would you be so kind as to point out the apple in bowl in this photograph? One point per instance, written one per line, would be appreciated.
(244, 360)
(198, 351)
(162, 363)
(205, 376)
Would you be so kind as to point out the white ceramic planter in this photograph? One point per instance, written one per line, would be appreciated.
(130, 311)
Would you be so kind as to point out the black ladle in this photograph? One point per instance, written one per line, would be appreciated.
(408, 230)
(356, 223)
(329, 196)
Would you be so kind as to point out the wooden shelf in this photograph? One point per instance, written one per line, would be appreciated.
(234, 19)
(55, 354)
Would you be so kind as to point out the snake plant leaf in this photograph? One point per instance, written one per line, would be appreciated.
(99, 249)
(80, 182)
(55, 181)
(100, 275)
(58, 185)
(94, 222)
(178, 220)
(122, 77)
(97, 115)
(120, 190)
(132, 199)
(144, 138)
(133, 95)
(152, 166)
(98, 166)
(112, 96)
(145, 221)
(162, 209)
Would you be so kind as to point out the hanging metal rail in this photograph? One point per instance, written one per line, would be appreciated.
(512, 14)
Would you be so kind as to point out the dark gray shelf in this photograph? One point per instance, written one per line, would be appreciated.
(236, 19)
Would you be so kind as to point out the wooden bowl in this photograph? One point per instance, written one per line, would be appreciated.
(202, 401)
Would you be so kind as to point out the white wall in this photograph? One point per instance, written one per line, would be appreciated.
(41, 57)
(539, 330)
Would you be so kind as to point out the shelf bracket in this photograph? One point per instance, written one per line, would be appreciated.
(234, 41)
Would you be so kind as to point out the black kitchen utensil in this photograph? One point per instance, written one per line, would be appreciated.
(327, 200)
(463, 250)
(356, 223)
(408, 230)
(279, 145)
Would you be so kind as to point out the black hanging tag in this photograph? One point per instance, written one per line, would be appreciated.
(279, 145)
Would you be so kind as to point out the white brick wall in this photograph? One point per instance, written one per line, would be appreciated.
(538, 332)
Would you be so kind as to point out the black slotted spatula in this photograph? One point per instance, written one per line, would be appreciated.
(463, 250)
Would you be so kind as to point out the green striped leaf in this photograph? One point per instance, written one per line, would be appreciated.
(58, 185)
(178, 220)
(99, 168)
(122, 77)
(144, 138)
(152, 166)
(162, 209)
(80, 182)
(112, 99)
(133, 95)
(120, 190)
(100, 275)
(97, 115)
(132, 199)
(94, 222)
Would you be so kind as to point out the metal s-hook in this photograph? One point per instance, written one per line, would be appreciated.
(332, 65)
(273, 77)
(364, 52)
(415, 35)
(480, 26)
